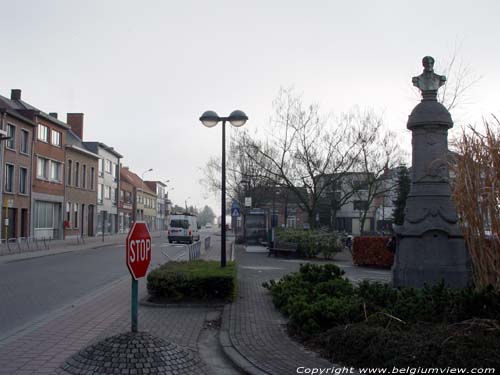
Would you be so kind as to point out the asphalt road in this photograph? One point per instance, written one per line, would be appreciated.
(32, 289)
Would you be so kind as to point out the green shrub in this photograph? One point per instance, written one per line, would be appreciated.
(374, 325)
(197, 280)
(311, 243)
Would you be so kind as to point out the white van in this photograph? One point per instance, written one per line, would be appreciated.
(183, 228)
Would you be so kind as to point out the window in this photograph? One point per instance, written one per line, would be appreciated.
(44, 215)
(43, 133)
(100, 190)
(109, 166)
(77, 174)
(11, 132)
(84, 176)
(25, 141)
(360, 205)
(9, 178)
(23, 180)
(55, 171)
(114, 171)
(101, 167)
(68, 213)
(70, 169)
(42, 168)
(115, 196)
(107, 192)
(75, 211)
(92, 174)
(56, 138)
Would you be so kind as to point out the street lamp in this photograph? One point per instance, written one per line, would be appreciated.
(186, 203)
(142, 190)
(210, 119)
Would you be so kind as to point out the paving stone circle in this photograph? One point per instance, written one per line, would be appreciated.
(132, 354)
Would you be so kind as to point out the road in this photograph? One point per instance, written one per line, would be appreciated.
(32, 289)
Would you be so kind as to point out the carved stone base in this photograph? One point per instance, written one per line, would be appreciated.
(431, 259)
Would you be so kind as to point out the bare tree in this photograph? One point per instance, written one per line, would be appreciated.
(305, 152)
(379, 153)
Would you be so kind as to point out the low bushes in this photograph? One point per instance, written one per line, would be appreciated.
(197, 280)
(372, 251)
(374, 325)
(311, 243)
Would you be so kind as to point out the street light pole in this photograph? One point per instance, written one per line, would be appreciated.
(210, 119)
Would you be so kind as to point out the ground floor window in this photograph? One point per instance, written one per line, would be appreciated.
(46, 219)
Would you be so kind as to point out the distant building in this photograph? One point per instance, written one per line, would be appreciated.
(160, 222)
(107, 187)
(125, 201)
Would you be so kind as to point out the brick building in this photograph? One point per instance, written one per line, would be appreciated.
(80, 216)
(47, 174)
(125, 202)
(17, 174)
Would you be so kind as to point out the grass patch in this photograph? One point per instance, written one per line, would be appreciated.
(199, 280)
(375, 325)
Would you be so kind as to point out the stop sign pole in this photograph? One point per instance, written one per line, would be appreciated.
(138, 254)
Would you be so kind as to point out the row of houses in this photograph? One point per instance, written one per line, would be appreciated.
(57, 185)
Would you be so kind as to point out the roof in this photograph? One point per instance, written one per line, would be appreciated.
(16, 115)
(74, 142)
(94, 146)
(22, 106)
(135, 180)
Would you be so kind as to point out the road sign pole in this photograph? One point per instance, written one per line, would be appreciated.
(134, 304)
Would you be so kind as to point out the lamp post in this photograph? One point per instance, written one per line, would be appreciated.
(210, 119)
(142, 190)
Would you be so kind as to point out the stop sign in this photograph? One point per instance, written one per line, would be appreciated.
(138, 250)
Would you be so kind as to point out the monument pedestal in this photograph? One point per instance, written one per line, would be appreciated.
(430, 247)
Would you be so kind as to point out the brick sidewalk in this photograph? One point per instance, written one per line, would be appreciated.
(42, 348)
(254, 333)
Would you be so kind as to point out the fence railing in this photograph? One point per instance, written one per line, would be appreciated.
(194, 250)
(23, 244)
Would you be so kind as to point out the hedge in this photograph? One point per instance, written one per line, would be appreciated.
(311, 243)
(372, 251)
(198, 280)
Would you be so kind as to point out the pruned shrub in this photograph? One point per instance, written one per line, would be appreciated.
(198, 280)
(372, 251)
(311, 243)
(376, 325)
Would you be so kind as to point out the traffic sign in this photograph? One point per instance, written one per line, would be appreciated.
(138, 250)
(235, 211)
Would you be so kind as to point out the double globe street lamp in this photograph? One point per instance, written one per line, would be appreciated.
(210, 119)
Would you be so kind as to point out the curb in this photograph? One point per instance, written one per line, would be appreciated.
(236, 358)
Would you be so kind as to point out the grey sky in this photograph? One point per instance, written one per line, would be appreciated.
(144, 71)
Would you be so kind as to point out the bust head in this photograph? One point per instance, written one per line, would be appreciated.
(428, 63)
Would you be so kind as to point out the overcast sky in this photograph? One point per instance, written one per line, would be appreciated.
(144, 71)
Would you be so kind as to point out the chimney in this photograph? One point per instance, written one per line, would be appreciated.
(53, 114)
(75, 121)
(15, 94)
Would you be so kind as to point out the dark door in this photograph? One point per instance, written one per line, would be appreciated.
(82, 231)
(90, 226)
(11, 231)
(24, 222)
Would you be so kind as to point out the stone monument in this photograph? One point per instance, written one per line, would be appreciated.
(430, 246)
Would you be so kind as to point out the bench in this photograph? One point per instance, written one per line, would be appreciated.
(284, 248)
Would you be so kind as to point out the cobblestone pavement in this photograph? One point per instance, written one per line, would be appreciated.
(257, 330)
(96, 316)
